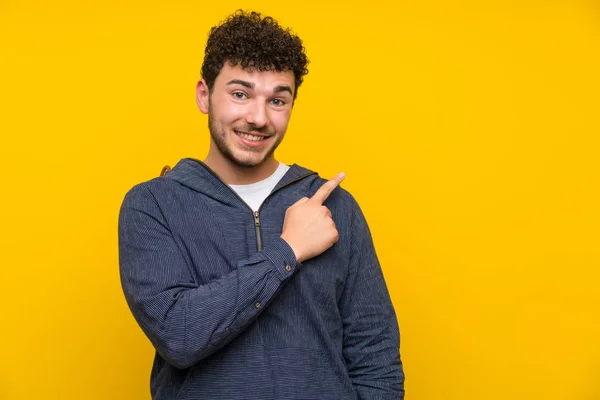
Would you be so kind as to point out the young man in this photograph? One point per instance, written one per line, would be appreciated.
(251, 278)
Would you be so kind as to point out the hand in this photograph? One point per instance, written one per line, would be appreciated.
(308, 227)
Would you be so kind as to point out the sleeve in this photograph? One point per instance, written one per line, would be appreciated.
(371, 343)
(187, 322)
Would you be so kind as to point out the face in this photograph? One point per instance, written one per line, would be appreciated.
(248, 113)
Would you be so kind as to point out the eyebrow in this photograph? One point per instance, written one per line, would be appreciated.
(241, 82)
(283, 88)
(249, 85)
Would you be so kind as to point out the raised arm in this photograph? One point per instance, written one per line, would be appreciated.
(185, 321)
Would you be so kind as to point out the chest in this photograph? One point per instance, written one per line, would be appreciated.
(215, 236)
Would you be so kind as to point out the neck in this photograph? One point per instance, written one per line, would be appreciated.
(234, 174)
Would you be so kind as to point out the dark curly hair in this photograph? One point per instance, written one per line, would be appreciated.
(256, 43)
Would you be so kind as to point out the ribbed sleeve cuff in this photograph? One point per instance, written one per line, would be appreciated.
(283, 258)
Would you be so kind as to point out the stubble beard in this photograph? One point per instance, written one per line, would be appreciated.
(218, 136)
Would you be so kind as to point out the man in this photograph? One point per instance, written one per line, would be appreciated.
(251, 278)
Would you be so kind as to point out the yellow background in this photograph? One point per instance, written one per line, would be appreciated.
(468, 132)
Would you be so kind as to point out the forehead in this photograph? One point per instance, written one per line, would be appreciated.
(261, 80)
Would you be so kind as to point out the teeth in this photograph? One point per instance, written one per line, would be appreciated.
(250, 137)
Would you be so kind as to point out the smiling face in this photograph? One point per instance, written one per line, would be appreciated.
(248, 114)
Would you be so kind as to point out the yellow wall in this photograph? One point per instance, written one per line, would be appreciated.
(468, 131)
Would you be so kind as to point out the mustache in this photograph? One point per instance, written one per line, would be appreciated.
(253, 128)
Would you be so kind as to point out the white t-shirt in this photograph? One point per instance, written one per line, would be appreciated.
(255, 193)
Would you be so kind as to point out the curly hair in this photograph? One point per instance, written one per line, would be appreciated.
(255, 43)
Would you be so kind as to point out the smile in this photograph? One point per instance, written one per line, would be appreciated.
(254, 138)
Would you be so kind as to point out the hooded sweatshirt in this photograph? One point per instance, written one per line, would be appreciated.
(230, 311)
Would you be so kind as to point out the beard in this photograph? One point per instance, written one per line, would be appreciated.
(219, 134)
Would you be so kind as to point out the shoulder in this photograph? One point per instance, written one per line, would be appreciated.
(146, 193)
(340, 201)
(338, 194)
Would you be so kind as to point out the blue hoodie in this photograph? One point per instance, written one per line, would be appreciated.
(230, 311)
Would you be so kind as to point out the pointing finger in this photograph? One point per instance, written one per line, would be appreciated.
(324, 191)
(300, 201)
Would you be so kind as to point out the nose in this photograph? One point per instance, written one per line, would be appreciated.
(257, 114)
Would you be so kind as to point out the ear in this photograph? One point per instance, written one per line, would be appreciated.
(202, 94)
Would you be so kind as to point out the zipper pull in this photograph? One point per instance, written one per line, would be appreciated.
(256, 219)
(257, 227)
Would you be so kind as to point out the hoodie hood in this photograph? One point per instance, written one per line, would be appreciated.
(198, 176)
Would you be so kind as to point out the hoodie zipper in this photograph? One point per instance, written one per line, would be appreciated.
(257, 227)
(256, 214)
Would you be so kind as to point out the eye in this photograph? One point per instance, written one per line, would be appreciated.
(277, 102)
(239, 95)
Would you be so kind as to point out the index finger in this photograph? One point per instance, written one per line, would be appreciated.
(325, 190)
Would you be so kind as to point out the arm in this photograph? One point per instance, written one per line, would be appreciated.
(187, 322)
(371, 335)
